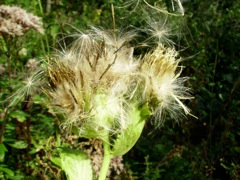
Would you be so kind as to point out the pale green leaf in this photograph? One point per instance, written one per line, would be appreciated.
(75, 164)
(19, 115)
(3, 149)
(19, 144)
(7, 171)
(129, 136)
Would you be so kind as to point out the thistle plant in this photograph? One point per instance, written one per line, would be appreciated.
(107, 93)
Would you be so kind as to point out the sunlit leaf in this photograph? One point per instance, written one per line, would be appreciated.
(3, 149)
(19, 115)
(75, 164)
(7, 171)
(19, 144)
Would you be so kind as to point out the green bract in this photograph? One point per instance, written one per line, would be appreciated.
(129, 136)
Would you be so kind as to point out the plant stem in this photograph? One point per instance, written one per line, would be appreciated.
(5, 118)
(45, 37)
(106, 161)
(40, 7)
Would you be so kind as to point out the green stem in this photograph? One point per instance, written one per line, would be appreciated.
(44, 39)
(40, 6)
(106, 161)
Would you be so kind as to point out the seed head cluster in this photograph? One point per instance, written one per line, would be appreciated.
(97, 81)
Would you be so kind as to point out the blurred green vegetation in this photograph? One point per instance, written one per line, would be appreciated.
(203, 148)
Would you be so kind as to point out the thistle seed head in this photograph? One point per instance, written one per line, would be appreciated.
(164, 88)
(90, 81)
(98, 82)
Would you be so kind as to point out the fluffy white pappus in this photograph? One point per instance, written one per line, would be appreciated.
(101, 52)
(115, 38)
(30, 85)
(160, 30)
(164, 88)
(111, 109)
(84, 48)
(170, 100)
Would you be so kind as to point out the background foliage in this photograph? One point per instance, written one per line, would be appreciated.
(203, 148)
